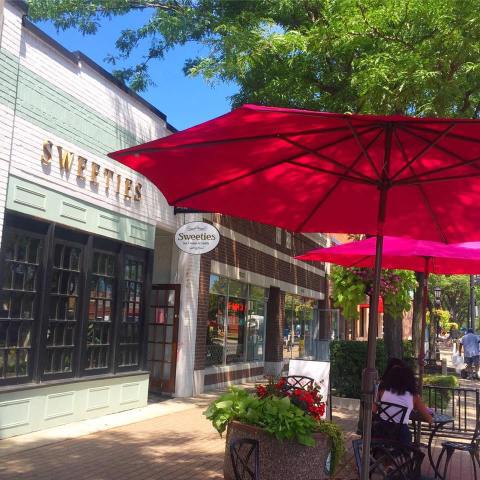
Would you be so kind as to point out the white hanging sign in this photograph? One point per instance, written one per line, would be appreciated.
(197, 237)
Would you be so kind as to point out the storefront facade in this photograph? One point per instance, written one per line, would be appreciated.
(97, 304)
(83, 240)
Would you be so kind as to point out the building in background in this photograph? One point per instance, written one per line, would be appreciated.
(97, 304)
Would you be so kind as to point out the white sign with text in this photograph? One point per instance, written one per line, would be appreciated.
(197, 237)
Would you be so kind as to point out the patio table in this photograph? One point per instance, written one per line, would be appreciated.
(439, 421)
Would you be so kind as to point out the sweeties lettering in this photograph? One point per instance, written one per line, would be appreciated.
(69, 161)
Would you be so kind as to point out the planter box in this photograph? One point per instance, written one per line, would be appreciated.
(279, 460)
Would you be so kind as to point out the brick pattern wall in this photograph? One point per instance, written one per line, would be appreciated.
(223, 377)
(202, 312)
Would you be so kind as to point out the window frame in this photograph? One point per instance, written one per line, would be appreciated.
(49, 235)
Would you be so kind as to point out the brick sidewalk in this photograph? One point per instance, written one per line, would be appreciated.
(178, 446)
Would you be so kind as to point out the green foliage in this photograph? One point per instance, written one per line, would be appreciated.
(338, 442)
(350, 285)
(278, 416)
(455, 296)
(418, 57)
(349, 358)
(443, 318)
(439, 398)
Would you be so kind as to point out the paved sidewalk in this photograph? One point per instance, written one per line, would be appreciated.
(174, 446)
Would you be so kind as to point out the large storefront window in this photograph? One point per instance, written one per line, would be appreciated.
(70, 304)
(299, 313)
(236, 322)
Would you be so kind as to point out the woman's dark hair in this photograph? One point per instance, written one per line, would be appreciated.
(392, 362)
(400, 379)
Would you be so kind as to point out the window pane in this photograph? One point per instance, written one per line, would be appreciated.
(215, 330)
(218, 284)
(22, 253)
(132, 315)
(237, 289)
(100, 315)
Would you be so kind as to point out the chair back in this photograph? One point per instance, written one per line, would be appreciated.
(391, 412)
(244, 453)
(390, 460)
(298, 381)
(476, 433)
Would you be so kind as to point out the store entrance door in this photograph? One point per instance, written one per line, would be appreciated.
(162, 337)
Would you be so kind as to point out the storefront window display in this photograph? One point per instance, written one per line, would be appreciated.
(236, 322)
(71, 304)
(299, 312)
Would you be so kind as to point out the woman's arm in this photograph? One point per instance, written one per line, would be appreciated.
(421, 408)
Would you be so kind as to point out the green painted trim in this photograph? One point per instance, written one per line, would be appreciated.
(32, 199)
(50, 108)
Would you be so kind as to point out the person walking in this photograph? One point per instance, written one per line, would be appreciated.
(469, 343)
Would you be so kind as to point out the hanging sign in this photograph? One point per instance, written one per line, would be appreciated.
(197, 237)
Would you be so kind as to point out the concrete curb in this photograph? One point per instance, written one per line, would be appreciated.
(352, 404)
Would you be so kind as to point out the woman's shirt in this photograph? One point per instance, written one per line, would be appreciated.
(405, 400)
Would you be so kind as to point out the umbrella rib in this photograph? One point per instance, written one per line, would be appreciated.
(424, 151)
(424, 196)
(411, 180)
(342, 176)
(334, 187)
(461, 163)
(457, 136)
(364, 150)
(202, 143)
(322, 156)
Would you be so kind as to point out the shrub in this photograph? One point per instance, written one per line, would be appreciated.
(438, 398)
(348, 359)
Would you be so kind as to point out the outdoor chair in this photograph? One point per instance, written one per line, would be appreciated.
(471, 447)
(244, 453)
(298, 381)
(390, 460)
(388, 420)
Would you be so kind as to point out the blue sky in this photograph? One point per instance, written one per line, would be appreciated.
(186, 101)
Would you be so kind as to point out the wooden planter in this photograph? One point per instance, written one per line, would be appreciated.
(287, 460)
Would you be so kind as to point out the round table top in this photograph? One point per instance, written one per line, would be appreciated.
(441, 417)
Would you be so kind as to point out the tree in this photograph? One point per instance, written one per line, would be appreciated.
(455, 295)
(417, 57)
(350, 285)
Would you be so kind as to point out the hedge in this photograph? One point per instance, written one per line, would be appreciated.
(442, 396)
(348, 359)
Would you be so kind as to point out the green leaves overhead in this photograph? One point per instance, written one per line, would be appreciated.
(418, 57)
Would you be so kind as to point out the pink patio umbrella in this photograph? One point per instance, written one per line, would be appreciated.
(326, 172)
(405, 254)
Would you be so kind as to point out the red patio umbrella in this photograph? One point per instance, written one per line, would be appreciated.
(406, 254)
(326, 172)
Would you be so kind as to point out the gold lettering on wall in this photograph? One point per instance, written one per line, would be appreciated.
(81, 166)
(94, 173)
(108, 178)
(47, 148)
(138, 192)
(66, 160)
(128, 188)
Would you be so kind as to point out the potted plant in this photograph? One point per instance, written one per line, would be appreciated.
(293, 439)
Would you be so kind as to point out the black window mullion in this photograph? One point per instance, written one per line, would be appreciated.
(84, 299)
(39, 328)
(120, 292)
(146, 310)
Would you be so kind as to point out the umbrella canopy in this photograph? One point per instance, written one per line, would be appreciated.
(324, 172)
(404, 254)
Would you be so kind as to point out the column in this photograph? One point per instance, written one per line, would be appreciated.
(274, 332)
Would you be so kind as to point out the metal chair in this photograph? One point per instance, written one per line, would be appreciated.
(390, 460)
(388, 420)
(298, 381)
(244, 453)
(472, 447)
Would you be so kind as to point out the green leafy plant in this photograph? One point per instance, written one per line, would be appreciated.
(277, 415)
(438, 398)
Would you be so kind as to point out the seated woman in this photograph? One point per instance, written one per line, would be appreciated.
(399, 387)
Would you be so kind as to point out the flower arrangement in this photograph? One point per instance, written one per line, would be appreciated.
(309, 399)
(285, 412)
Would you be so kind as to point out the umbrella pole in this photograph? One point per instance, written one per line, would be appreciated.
(421, 357)
(369, 376)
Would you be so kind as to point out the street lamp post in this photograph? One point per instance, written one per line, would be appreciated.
(437, 291)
